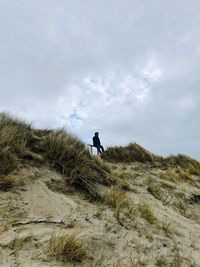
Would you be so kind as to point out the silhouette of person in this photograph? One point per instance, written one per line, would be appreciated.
(97, 143)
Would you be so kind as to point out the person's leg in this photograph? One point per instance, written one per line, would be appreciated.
(102, 148)
(98, 149)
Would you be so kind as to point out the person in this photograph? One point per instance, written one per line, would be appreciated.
(97, 143)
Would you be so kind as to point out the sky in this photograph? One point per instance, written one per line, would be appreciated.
(125, 68)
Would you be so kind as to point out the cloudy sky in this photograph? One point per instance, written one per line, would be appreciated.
(129, 69)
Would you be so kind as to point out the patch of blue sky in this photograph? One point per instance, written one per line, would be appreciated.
(74, 120)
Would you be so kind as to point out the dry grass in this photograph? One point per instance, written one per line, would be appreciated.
(161, 191)
(99, 211)
(102, 164)
(21, 143)
(182, 161)
(129, 153)
(4, 210)
(177, 260)
(170, 175)
(155, 190)
(116, 198)
(134, 152)
(177, 175)
(184, 175)
(10, 180)
(58, 186)
(193, 170)
(18, 241)
(143, 210)
(14, 139)
(189, 165)
(68, 155)
(161, 261)
(167, 228)
(3, 228)
(5, 183)
(146, 211)
(68, 246)
(121, 179)
(195, 215)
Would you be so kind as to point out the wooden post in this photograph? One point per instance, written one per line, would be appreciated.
(91, 149)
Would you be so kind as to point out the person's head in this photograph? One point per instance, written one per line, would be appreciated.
(96, 134)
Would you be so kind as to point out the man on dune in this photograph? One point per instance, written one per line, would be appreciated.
(97, 143)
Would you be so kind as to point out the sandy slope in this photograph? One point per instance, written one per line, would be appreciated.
(32, 211)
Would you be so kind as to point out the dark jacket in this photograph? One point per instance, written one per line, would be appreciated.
(96, 141)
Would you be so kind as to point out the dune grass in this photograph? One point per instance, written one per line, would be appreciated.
(14, 138)
(116, 198)
(178, 175)
(143, 210)
(155, 190)
(134, 152)
(60, 150)
(146, 211)
(129, 153)
(64, 152)
(183, 161)
(186, 163)
(68, 246)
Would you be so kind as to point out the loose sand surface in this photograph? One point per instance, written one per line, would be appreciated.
(42, 205)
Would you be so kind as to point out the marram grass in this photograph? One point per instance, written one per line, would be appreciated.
(57, 149)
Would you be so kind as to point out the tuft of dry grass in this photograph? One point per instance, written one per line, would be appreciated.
(3, 228)
(166, 227)
(5, 183)
(193, 170)
(170, 175)
(155, 190)
(68, 247)
(177, 261)
(146, 211)
(161, 261)
(9, 181)
(102, 164)
(18, 241)
(184, 175)
(116, 198)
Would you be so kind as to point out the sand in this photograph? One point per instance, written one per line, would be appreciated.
(36, 208)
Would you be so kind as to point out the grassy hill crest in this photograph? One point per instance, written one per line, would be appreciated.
(60, 206)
